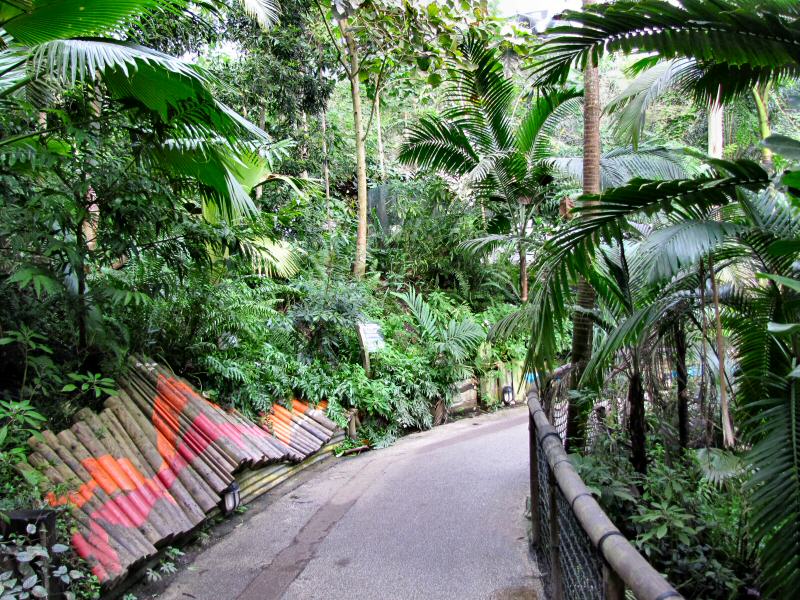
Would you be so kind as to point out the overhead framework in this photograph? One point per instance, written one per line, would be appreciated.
(155, 462)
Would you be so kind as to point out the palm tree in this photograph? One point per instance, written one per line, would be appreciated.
(758, 236)
(502, 160)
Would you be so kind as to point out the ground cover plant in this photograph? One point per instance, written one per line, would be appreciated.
(231, 187)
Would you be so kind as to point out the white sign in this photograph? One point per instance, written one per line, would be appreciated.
(371, 336)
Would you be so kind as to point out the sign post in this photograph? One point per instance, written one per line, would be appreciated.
(371, 338)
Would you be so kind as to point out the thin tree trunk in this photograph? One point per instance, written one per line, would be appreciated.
(80, 275)
(727, 424)
(262, 122)
(326, 177)
(716, 129)
(637, 424)
(683, 377)
(582, 326)
(704, 410)
(360, 264)
(379, 124)
(761, 97)
(523, 274)
(716, 144)
(304, 146)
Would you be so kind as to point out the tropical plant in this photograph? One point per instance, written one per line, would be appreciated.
(504, 160)
(756, 236)
(736, 44)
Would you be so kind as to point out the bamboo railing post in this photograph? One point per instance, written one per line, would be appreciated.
(612, 584)
(623, 560)
(556, 578)
(536, 532)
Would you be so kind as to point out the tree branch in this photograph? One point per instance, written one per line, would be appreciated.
(333, 39)
(377, 97)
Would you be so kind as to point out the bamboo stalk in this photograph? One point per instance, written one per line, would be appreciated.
(97, 547)
(174, 514)
(131, 547)
(190, 409)
(210, 444)
(315, 414)
(285, 417)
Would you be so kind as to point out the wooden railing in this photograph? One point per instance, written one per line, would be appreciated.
(581, 553)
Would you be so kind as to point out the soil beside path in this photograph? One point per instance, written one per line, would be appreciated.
(439, 515)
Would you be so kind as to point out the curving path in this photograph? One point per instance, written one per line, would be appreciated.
(439, 515)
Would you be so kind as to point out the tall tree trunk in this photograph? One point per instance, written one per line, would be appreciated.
(727, 423)
(704, 410)
(80, 275)
(716, 129)
(379, 124)
(761, 97)
(716, 144)
(582, 325)
(326, 177)
(304, 145)
(523, 274)
(636, 423)
(360, 264)
(683, 377)
(262, 122)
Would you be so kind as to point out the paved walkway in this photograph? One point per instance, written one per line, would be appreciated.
(439, 515)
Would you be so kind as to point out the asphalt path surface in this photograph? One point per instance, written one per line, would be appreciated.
(438, 515)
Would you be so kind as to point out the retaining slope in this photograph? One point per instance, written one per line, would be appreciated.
(154, 463)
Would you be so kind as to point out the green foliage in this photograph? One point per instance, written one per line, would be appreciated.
(30, 569)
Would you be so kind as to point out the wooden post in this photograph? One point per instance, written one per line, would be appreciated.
(536, 531)
(556, 579)
(614, 586)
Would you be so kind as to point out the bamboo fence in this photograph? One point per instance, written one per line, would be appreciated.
(155, 462)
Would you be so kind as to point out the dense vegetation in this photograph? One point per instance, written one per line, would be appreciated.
(230, 187)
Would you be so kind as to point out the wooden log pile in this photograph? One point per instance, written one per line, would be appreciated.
(153, 464)
(303, 429)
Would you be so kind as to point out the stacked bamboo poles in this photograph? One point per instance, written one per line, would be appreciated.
(303, 429)
(255, 483)
(152, 465)
(220, 441)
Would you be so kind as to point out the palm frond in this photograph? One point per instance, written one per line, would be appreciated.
(265, 12)
(750, 43)
(632, 104)
(422, 312)
(622, 165)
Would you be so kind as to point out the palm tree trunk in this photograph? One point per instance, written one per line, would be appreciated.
(262, 122)
(582, 326)
(360, 264)
(682, 377)
(704, 410)
(523, 274)
(637, 425)
(761, 96)
(727, 424)
(715, 149)
(326, 176)
(716, 129)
